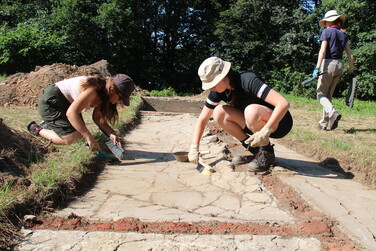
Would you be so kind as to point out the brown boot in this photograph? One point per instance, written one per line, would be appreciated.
(263, 159)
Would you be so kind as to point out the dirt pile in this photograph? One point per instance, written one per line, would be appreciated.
(24, 89)
(16, 150)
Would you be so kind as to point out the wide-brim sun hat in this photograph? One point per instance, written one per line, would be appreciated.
(125, 86)
(212, 71)
(331, 16)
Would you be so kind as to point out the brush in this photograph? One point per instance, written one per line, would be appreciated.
(104, 155)
(118, 151)
(204, 169)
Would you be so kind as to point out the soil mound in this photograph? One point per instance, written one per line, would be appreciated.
(24, 89)
(16, 149)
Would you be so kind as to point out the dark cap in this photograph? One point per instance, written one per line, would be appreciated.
(125, 86)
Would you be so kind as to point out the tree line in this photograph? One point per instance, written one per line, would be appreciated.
(161, 43)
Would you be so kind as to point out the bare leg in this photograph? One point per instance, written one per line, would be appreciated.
(65, 140)
(231, 120)
(256, 116)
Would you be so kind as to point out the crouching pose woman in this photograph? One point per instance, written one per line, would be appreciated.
(253, 112)
(62, 103)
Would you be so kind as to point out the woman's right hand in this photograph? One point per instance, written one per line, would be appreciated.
(193, 154)
(93, 144)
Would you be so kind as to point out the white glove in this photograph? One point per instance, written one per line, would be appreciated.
(260, 138)
(193, 153)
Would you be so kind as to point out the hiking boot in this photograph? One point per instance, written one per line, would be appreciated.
(239, 160)
(263, 159)
(321, 128)
(33, 128)
(333, 120)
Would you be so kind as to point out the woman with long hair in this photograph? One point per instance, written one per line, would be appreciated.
(62, 103)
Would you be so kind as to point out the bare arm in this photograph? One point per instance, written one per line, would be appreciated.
(104, 126)
(322, 51)
(203, 119)
(281, 106)
(73, 113)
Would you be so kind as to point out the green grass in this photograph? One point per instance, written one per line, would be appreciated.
(56, 170)
(168, 92)
(360, 107)
(353, 143)
(6, 196)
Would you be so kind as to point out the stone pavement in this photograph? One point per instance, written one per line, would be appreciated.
(351, 204)
(154, 188)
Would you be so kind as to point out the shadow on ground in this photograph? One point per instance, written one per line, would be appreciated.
(329, 168)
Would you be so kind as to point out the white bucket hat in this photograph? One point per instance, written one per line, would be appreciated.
(212, 71)
(331, 16)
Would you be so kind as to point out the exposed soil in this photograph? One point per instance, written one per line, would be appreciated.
(16, 149)
(23, 89)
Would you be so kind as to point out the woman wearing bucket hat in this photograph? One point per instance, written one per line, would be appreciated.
(62, 103)
(253, 113)
(333, 42)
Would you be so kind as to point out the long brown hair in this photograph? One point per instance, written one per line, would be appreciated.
(103, 86)
(234, 97)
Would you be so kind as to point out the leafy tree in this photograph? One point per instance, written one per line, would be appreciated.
(181, 33)
(74, 21)
(26, 46)
(13, 12)
(264, 35)
(160, 43)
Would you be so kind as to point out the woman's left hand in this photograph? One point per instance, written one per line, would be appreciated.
(260, 138)
(115, 139)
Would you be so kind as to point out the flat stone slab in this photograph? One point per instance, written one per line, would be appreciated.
(346, 201)
(100, 240)
(153, 186)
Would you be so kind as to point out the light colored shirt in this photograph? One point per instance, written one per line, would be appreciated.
(70, 87)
